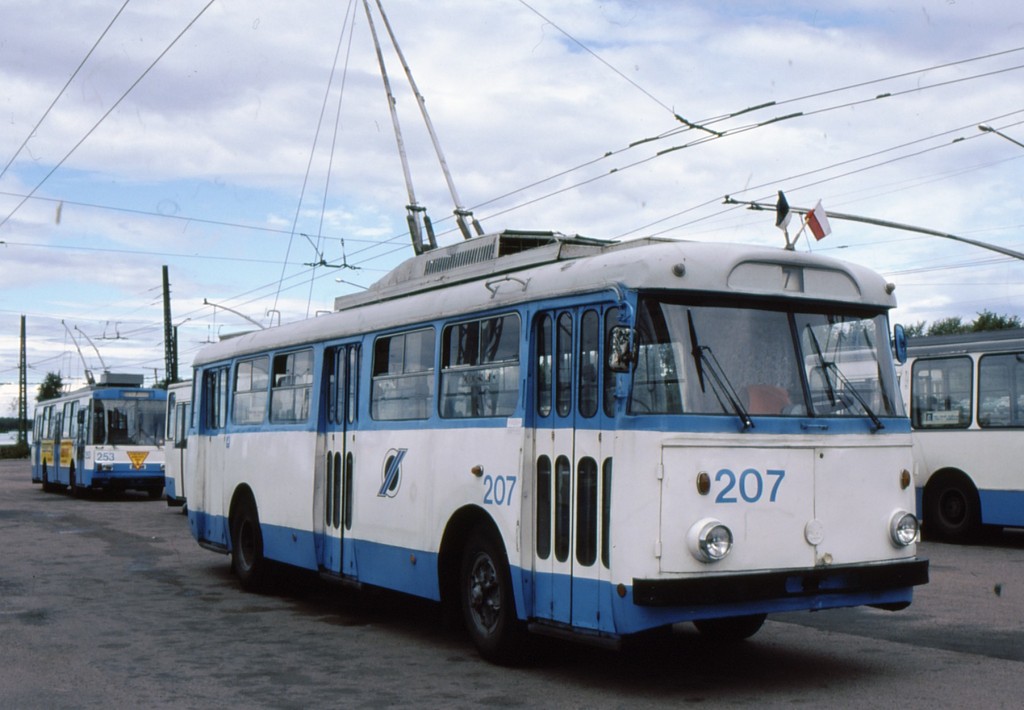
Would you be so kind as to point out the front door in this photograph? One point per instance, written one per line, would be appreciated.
(336, 459)
(573, 407)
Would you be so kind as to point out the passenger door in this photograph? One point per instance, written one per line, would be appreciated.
(336, 456)
(573, 409)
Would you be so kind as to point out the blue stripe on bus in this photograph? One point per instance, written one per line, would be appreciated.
(596, 603)
(1002, 507)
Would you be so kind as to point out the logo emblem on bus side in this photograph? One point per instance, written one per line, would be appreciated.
(391, 473)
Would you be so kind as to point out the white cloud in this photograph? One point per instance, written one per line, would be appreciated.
(201, 166)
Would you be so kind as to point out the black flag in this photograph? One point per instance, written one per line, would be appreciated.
(782, 214)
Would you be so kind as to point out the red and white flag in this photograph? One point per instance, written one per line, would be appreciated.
(817, 220)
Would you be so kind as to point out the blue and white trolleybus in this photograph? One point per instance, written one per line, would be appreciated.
(572, 437)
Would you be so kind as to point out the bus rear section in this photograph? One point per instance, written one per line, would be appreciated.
(966, 399)
(178, 420)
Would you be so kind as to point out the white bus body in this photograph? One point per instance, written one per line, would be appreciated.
(572, 437)
(179, 415)
(966, 399)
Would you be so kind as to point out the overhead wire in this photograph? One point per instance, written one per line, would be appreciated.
(106, 113)
(63, 89)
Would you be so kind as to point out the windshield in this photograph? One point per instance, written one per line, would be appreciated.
(132, 422)
(695, 359)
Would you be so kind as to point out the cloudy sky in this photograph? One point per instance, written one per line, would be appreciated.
(247, 146)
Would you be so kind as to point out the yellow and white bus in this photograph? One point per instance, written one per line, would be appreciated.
(107, 436)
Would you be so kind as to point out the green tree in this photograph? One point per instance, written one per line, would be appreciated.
(948, 326)
(915, 330)
(51, 387)
(987, 320)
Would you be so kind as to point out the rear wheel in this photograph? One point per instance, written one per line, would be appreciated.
(488, 606)
(952, 509)
(247, 559)
(734, 628)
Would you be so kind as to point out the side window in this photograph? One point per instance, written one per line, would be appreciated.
(543, 507)
(480, 368)
(1001, 390)
(563, 365)
(544, 358)
(214, 399)
(940, 393)
(47, 419)
(68, 419)
(249, 405)
(291, 386)
(171, 423)
(342, 367)
(403, 375)
(589, 363)
(611, 319)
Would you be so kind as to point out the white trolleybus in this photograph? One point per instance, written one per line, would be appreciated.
(966, 397)
(179, 415)
(573, 437)
(105, 436)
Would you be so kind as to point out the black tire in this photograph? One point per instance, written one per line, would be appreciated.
(154, 493)
(952, 509)
(73, 488)
(730, 629)
(47, 486)
(488, 606)
(247, 559)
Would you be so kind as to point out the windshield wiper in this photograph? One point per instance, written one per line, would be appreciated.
(720, 385)
(848, 387)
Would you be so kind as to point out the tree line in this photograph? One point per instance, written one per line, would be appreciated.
(955, 325)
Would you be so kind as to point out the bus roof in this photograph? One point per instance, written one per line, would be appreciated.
(499, 270)
(985, 341)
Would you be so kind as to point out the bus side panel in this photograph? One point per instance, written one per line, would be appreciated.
(408, 484)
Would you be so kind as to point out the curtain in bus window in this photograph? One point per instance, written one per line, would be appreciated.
(1001, 390)
(480, 368)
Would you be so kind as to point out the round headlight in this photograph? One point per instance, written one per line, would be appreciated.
(903, 529)
(709, 540)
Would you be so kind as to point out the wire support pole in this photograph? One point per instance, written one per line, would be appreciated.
(886, 223)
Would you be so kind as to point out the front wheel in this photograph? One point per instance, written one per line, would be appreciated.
(731, 629)
(488, 607)
(247, 559)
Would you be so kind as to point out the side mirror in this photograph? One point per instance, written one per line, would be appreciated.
(620, 353)
(899, 343)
